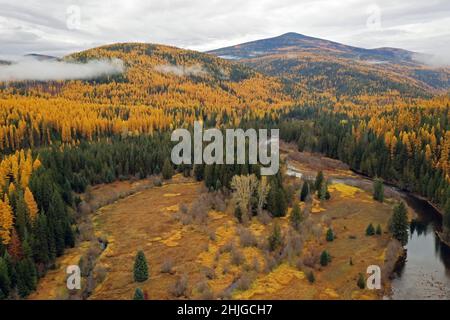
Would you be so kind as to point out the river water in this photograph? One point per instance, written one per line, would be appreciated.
(426, 271)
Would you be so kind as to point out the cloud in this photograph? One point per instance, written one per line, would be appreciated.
(195, 70)
(32, 69)
(27, 27)
(433, 60)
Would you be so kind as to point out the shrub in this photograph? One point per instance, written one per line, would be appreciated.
(157, 182)
(237, 258)
(179, 288)
(167, 170)
(310, 276)
(330, 235)
(245, 281)
(370, 231)
(246, 238)
(167, 266)
(138, 294)
(204, 290)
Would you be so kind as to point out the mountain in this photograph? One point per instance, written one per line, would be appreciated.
(41, 57)
(325, 65)
(164, 77)
(296, 43)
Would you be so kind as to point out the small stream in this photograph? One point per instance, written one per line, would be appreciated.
(426, 271)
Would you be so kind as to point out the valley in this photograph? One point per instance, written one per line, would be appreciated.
(214, 255)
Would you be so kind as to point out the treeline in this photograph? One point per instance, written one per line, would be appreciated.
(343, 137)
(37, 206)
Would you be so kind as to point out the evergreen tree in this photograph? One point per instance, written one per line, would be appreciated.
(311, 277)
(296, 217)
(238, 213)
(198, 172)
(276, 200)
(319, 181)
(138, 294)
(361, 281)
(378, 230)
(330, 235)
(446, 220)
(140, 267)
(40, 241)
(5, 282)
(167, 170)
(398, 224)
(378, 190)
(305, 191)
(275, 238)
(323, 192)
(325, 258)
(370, 230)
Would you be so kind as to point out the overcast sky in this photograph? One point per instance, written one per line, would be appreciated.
(60, 27)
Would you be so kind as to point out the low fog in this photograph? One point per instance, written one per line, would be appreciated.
(195, 70)
(432, 60)
(32, 69)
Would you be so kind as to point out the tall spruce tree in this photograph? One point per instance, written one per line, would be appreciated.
(140, 267)
(398, 224)
(378, 190)
(319, 181)
(305, 191)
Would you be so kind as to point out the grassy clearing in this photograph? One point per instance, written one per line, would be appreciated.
(221, 260)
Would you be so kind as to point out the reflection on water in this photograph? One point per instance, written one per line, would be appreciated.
(426, 273)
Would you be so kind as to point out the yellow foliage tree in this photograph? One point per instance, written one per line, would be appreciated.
(6, 221)
(31, 204)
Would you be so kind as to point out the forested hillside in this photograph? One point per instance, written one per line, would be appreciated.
(59, 137)
(326, 66)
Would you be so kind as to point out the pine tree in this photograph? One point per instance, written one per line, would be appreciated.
(311, 277)
(198, 172)
(296, 217)
(319, 181)
(305, 191)
(5, 282)
(378, 230)
(325, 258)
(330, 235)
(378, 190)
(138, 294)
(167, 170)
(361, 281)
(323, 192)
(399, 225)
(370, 230)
(140, 267)
(275, 238)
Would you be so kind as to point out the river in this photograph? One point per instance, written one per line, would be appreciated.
(426, 271)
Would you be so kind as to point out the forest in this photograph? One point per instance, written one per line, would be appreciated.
(58, 138)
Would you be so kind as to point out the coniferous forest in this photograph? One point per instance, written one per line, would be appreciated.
(59, 138)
